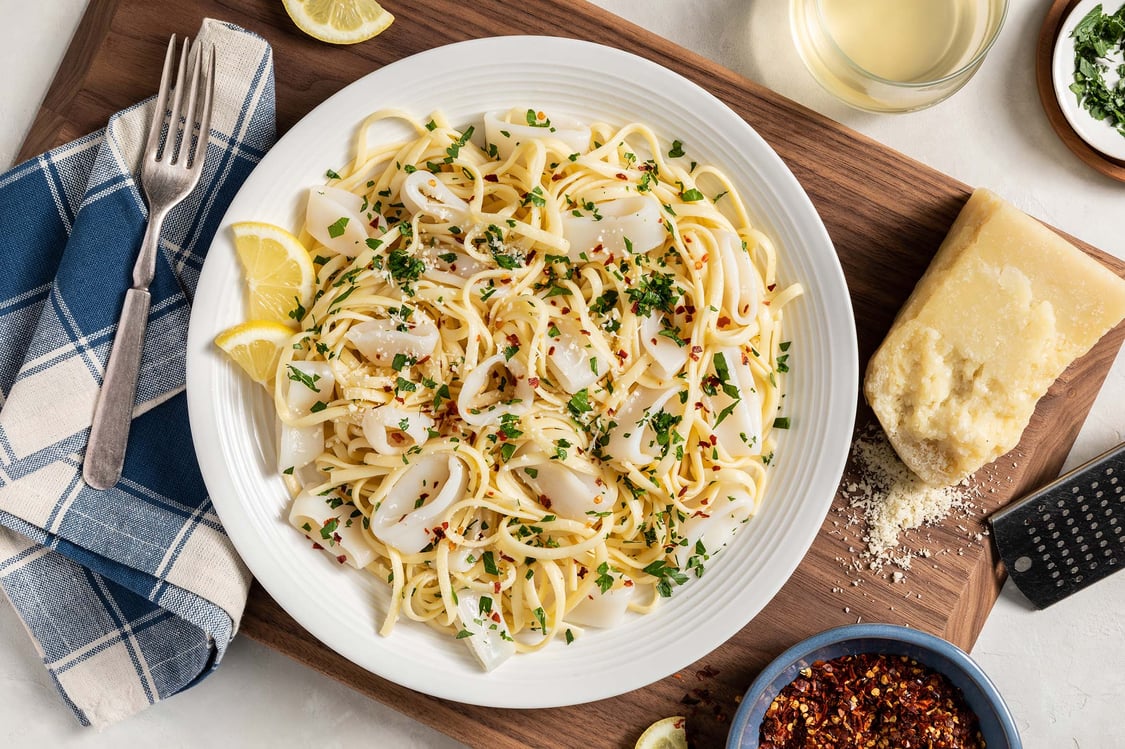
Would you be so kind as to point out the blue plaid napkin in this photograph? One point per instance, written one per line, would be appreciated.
(132, 594)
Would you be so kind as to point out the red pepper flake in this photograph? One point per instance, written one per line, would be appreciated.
(622, 354)
(621, 175)
(533, 381)
(317, 546)
(724, 321)
(341, 559)
(582, 571)
(496, 585)
(771, 287)
(869, 700)
(491, 178)
(695, 352)
(714, 439)
(557, 176)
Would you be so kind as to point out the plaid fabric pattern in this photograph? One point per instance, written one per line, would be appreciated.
(131, 594)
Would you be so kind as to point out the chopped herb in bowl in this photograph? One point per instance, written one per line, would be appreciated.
(1099, 65)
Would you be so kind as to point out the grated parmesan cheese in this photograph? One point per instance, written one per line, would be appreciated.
(892, 499)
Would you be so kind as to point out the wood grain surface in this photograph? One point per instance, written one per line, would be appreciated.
(886, 215)
(1044, 54)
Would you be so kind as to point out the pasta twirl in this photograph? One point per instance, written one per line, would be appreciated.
(538, 383)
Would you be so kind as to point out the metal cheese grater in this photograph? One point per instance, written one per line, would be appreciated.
(1069, 534)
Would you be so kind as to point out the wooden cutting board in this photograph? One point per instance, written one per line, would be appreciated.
(886, 215)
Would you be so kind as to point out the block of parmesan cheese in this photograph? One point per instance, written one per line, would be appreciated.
(1005, 306)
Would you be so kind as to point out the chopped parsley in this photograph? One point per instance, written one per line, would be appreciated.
(404, 267)
(666, 575)
(1096, 37)
(579, 403)
(656, 291)
(337, 229)
(308, 381)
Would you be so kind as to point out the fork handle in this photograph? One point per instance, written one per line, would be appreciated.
(105, 453)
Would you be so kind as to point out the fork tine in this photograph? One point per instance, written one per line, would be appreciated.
(171, 144)
(184, 151)
(205, 116)
(161, 101)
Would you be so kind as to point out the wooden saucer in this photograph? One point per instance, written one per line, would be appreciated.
(1093, 158)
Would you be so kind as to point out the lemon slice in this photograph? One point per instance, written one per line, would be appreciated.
(668, 733)
(339, 21)
(280, 276)
(255, 346)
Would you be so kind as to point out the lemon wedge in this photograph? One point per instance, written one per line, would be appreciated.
(339, 21)
(280, 276)
(255, 346)
(668, 733)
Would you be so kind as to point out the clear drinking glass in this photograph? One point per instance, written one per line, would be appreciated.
(894, 55)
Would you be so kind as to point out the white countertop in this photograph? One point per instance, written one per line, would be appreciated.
(1062, 671)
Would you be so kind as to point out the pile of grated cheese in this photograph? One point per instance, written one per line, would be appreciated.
(891, 499)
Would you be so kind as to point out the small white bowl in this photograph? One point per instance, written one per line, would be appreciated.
(1100, 136)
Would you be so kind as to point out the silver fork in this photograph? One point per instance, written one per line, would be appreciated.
(170, 171)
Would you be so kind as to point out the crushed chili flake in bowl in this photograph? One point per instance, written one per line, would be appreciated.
(873, 685)
(870, 700)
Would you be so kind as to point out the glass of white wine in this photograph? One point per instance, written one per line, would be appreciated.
(894, 55)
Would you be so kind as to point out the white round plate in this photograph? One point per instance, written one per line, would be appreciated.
(233, 424)
(1100, 136)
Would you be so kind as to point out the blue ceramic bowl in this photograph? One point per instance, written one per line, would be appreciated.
(996, 724)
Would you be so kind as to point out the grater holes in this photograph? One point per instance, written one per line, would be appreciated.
(1093, 484)
(1085, 507)
(1040, 548)
(1023, 564)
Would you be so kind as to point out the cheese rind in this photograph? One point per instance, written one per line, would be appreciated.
(1005, 306)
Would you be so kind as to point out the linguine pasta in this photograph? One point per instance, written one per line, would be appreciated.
(537, 386)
